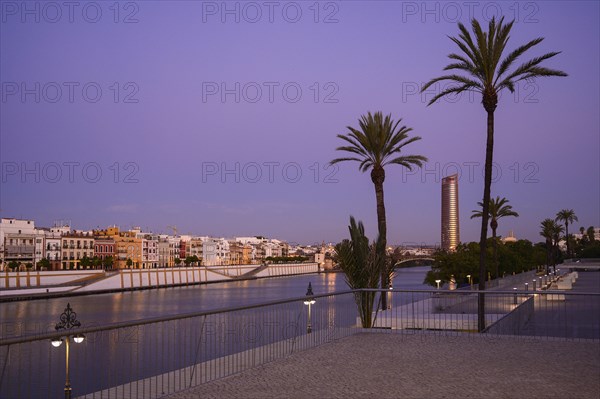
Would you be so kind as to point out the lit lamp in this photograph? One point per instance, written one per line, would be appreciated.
(526, 286)
(309, 302)
(534, 285)
(515, 296)
(438, 283)
(470, 284)
(68, 320)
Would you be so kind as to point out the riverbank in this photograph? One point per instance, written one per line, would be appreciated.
(150, 279)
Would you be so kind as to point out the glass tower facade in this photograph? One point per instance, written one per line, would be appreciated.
(450, 226)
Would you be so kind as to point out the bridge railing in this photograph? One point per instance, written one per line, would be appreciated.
(155, 357)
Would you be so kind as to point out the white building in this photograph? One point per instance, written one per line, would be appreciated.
(150, 252)
(215, 251)
(17, 241)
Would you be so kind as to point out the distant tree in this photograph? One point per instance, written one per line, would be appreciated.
(12, 265)
(359, 261)
(43, 264)
(96, 262)
(129, 263)
(187, 261)
(195, 260)
(591, 250)
(498, 209)
(591, 234)
(513, 257)
(177, 261)
(29, 265)
(461, 262)
(567, 216)
(551, 232)
(108, 262)
(85, 262)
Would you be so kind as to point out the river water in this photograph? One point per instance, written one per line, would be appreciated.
(34, 317)
(112, 357)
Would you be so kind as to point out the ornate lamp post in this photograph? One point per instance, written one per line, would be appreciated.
(438, 283)
(309, 302)
(68, 320)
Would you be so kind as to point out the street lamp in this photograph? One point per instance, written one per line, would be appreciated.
(470, 284)
(309, 302)
(68, 320)
(438, 283)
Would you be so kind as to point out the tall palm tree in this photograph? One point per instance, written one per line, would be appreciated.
(567, 216)
(377, 143)
(551, 231)
(486, 74)
(497, 209)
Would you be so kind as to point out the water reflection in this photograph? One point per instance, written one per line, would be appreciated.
(26, 317)
(109, 358)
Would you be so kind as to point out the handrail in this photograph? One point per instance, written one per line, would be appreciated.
(160, 319)
(487, 292)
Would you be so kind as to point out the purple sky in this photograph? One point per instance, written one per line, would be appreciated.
(154, 156)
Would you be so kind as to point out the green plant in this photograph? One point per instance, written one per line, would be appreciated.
(361, 265)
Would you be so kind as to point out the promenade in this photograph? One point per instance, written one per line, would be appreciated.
(439, 365)
(379, 365)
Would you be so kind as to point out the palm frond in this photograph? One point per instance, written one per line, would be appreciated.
(510, 59)
(377, 140)
(481, 59)
(409, 161)
(451, 90)
(530, 68)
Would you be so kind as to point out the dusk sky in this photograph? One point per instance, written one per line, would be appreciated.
(221, 118)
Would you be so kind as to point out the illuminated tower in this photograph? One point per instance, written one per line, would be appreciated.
(450, 227)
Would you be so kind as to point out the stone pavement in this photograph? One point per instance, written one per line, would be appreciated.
(380, 365)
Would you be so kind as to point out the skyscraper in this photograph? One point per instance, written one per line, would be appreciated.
(450, 226)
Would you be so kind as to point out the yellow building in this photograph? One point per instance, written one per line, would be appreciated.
(76, 246)
(128, 246)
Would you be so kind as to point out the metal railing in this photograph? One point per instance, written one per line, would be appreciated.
(155, 357)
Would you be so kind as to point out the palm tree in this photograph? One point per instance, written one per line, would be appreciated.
(375, 145)
(567, 216)
(551, 232)
(486, 74)
(556, 233)
(359, 261)
(498, 209)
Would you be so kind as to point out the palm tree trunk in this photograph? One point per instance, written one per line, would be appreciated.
(549, 249)
(495, 248)
(567, 238)
(489, 152)
(378, 177)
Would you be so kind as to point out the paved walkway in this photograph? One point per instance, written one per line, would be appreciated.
(383, 365)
